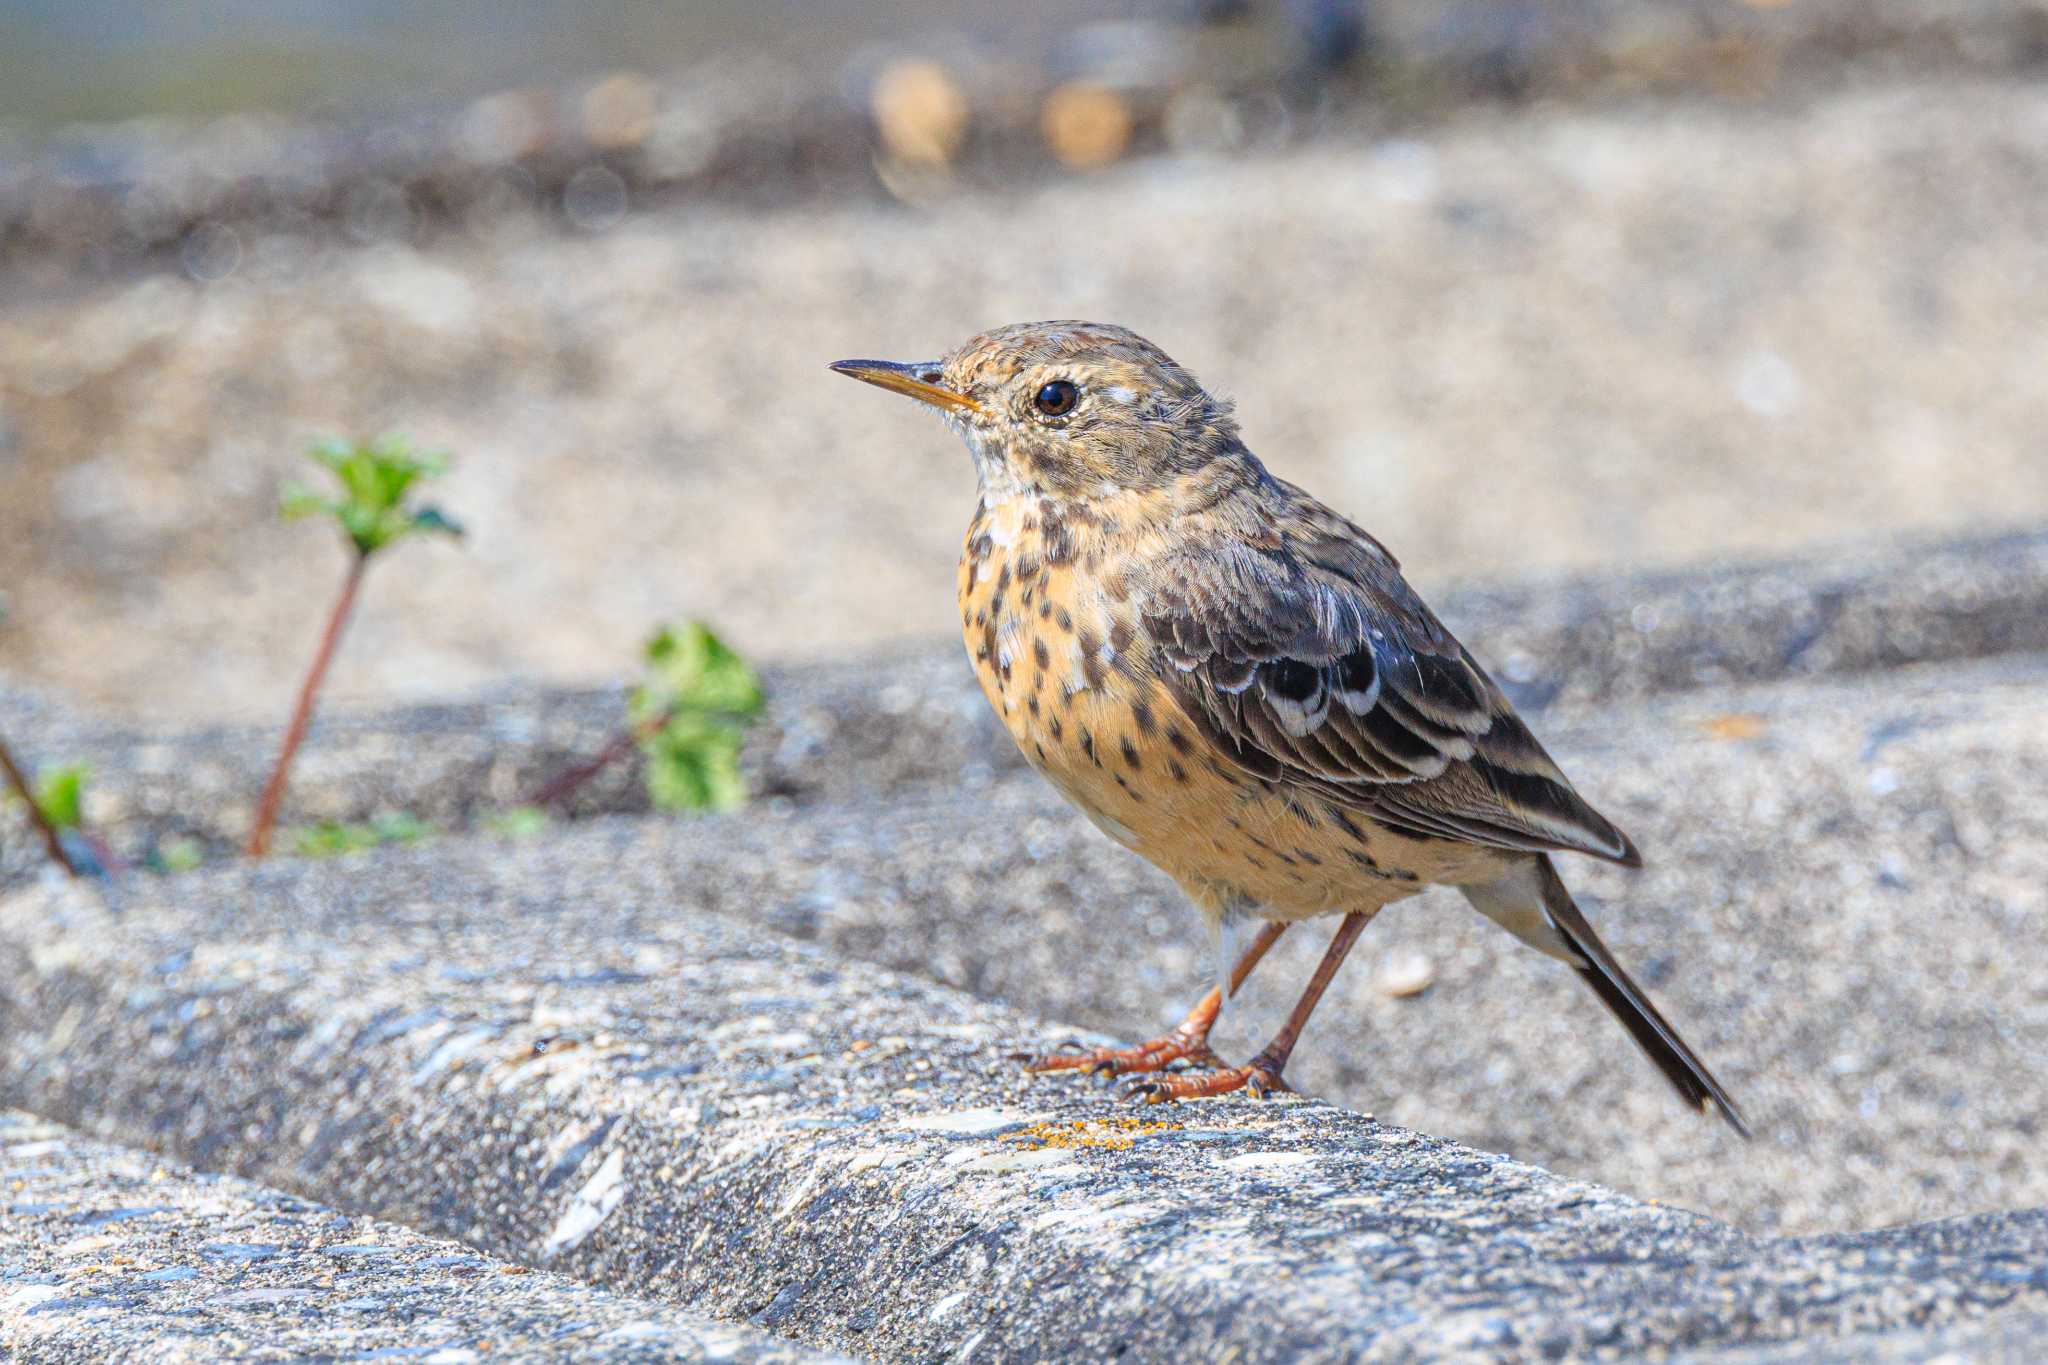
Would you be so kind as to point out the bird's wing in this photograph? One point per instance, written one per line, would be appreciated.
(1308, 660)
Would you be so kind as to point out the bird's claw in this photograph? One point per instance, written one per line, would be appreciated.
(1258, 1080)
(1110, 1062)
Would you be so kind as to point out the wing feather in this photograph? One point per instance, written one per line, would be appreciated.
(1316, 664)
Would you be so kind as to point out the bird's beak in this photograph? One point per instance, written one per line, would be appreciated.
(916, 381)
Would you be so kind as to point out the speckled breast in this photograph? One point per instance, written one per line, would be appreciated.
(1047, 617)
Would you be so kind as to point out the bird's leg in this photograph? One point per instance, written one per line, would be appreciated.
(1188, 1039)
(1262, 1075)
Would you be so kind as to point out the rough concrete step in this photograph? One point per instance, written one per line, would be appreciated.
(1846, 883)
(1841, 873)
(537, 1049)
(853, 731)
(110, 1253)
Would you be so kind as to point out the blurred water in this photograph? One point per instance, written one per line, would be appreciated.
(70, 60)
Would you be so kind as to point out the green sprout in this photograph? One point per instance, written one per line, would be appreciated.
(520, 822)
(686, 717)
(330, 838)
(179, 853)
(375, 477)
(372, 510)
(60, 795)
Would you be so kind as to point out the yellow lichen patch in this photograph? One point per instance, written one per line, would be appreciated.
(1115, 1134)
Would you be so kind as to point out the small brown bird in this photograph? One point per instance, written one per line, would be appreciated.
(1234, 681)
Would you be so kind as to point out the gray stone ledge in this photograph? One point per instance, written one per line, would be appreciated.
(1839, 870)
(1841, 908)
(853, 731)
(107, 1253)
(755, 1129)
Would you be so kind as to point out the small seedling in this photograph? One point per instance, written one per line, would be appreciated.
(179, 853)
(55, 803)
(372, 511)
(689, 712)
(520, 822)
(686, 717)
(60, 795)
(330, 838)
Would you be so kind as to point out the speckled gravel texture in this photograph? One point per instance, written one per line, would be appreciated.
(540, 1051)
(1840, 913)
(1845, 867)
(1526, 337)
(108, 1253)
(2005, 1339)
(857, 729)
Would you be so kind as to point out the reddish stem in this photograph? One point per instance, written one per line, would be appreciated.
(620, 745)
(52, 841)
(302, 714)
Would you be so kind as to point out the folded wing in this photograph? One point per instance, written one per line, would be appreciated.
(1310, 661)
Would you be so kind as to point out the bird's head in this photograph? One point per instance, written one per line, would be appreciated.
(1072, 410)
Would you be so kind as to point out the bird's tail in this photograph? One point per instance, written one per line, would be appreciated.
(1564, 932)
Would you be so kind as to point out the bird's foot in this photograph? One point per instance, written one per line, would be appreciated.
(1189, 1041)
(1156, 1055)
(1259, 1079)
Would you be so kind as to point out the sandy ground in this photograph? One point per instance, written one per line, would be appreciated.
(1542, 338)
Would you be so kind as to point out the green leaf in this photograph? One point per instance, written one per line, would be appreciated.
(179, 853)
(60, 794)
(694, 765)
(331, 838)
(401, 827)
(299, 501)
(692, 669)
(690, 709)
(434, 519)
(520, 822)
(375, 479)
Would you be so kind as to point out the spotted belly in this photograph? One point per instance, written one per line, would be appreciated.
(1062, 664)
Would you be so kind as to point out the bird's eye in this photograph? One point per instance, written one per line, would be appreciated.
(1057, 399)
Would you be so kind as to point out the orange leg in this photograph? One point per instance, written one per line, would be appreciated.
(1189, 1038)
(1262, 1075)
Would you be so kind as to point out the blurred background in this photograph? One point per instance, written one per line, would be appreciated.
(1521, 284)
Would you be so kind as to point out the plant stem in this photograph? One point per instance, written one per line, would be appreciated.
(621, 744)
(52, 841)
(302, 714)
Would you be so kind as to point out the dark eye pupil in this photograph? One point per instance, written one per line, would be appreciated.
(1056, 398)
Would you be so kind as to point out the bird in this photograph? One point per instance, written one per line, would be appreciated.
(1236, 682)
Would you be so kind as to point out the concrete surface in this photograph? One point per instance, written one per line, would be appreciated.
(1527, 337)
(109, 1253)
(858, 729)
(531, 1052)
(1839, 911)
(602, 1050)
(2004, 1339)
(1844, 864)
